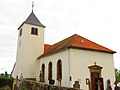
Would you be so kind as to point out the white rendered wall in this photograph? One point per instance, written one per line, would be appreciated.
(81, 59)
(29, 48)
(63, 56)
(17, 68)
(75, 63)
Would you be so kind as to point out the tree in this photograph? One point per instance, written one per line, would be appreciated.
(117, 75)
(6, 80)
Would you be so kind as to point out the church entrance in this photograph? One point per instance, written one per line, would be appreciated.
(96, 82)
(96, 79)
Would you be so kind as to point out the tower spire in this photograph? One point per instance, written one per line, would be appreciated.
(32, 5)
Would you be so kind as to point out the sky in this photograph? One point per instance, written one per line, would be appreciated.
(96, 20)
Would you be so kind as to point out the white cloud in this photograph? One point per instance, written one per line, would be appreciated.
(97, 20)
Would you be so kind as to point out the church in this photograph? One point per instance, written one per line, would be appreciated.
(73, 59)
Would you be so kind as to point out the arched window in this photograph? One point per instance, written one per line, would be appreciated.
(43, 72)
(50, 71)
(34, 31)
(59, 70)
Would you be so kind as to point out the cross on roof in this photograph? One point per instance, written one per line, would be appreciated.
(32, 6)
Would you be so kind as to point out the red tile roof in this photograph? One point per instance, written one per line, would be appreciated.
(46, 47)
(75, 41)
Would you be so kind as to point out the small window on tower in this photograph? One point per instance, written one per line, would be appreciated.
(20, 32)
(34, 31)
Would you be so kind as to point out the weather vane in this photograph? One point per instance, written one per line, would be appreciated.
(32, 5)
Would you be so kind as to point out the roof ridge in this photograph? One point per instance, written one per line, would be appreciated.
(93, 43)
(76, 41)
(73, 38)
(65, 43)
(62, 40)
(96, 43)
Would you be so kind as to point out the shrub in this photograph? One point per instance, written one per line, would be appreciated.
(23, 88)
(6, 80)
(5, 88)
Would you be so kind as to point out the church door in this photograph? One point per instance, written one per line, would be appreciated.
(97, 82)
(96, 79)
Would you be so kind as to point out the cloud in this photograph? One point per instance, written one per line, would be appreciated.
(2, 68)
(97, 20)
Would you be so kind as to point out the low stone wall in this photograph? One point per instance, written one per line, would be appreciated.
(32, 85)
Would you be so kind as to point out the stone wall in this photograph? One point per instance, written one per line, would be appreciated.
(33, 85)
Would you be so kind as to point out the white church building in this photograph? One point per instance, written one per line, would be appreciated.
(72, 59)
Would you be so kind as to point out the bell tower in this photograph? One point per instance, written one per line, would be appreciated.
(30, 45)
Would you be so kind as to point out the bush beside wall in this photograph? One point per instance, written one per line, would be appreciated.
(6, 81)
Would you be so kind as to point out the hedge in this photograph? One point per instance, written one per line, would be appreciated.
(6, 80)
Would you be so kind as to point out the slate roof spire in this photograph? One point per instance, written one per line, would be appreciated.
(32, 19)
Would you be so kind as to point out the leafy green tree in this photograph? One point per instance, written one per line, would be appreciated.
(117, 75)
(6, 74)
(6, 80)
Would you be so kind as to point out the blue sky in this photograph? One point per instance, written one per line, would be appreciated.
(96, 20)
